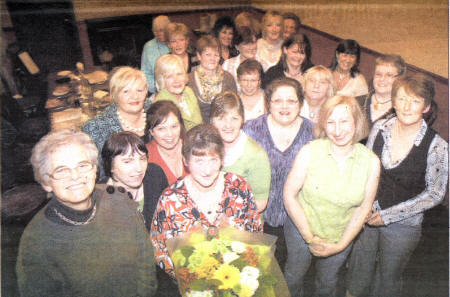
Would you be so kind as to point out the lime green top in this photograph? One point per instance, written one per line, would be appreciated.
(254, 166)
(190, 111)
(329, 196)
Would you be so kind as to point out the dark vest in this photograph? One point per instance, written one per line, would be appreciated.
(407, 180)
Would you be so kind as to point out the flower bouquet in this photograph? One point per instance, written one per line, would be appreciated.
(226, 262)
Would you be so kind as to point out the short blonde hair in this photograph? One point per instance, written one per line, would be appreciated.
(165, 65)
(123, 76)
(361, 124)
(266, 18)
(177, 28)
(323, 72)
(40, 156)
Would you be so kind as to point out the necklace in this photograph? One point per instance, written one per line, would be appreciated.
(342, 76)
(127, 126)
(378, 104)
(67, 220)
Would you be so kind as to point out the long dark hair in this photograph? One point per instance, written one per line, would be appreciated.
(303, 43)
(351, 47)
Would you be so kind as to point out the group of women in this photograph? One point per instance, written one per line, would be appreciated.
(268, 134)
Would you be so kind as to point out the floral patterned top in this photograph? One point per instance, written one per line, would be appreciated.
(178, 213)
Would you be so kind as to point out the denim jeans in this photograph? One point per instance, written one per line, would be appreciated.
(392, 246)
(280, 244)
(299, 260)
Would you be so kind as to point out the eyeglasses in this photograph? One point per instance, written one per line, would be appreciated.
(279, 102)
(66, 172)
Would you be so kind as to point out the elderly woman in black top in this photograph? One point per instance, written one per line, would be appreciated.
(413, 179)
(87, 241)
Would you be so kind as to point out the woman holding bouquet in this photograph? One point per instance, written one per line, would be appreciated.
(328, 194)
(204, 198)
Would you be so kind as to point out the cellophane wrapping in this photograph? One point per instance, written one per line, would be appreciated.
(226, 262)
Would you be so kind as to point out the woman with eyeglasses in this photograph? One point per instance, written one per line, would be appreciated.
(249, 75)
(378, 104)
(88, 240)
(281, 132)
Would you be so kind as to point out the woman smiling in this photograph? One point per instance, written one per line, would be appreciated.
(319, 86)
(124, 157)
(209, 79)
(128, 89)
(328, 194)
(378, 104)
(413, 179)
(171, 81)
(295, 60)
(269, 46)
(243, 155)
(349, 80)
(281, 133)
(166, 127)
(206, 197)
(88, 240)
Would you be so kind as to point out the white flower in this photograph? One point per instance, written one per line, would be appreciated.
(229, 257)
(249, 272)
(238, 247)
(207, 293)
(252, 284)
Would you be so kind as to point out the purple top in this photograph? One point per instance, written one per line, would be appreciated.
(280, 163)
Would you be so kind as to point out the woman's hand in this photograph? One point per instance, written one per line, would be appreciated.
(320, 248)
(375, 219)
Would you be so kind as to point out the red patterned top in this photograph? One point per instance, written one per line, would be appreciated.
(177, 213)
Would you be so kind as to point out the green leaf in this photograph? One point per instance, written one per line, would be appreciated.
(239, 263)
(187, 250)
(198, 285)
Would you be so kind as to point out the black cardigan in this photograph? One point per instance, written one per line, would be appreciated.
(155, 181)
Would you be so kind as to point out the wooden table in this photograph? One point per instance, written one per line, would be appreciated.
(71, 111)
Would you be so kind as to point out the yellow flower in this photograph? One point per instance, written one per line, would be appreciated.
(178, 259)
(196, 238)
(228, 275)
(208, 267)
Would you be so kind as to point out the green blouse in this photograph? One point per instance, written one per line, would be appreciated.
(329, 195)
(190, 111)
(254, 166)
